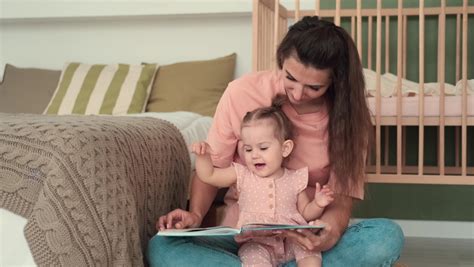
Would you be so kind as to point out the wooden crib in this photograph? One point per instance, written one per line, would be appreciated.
(453, 114)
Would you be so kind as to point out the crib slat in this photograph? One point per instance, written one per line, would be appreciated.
(457, 161)
(369, 44)
(264, 47)
(255, 35)
(458, 47)
(464, 90)
(441, 79)
(359, 28)
(261, 41)
(404, 147)
(283, 27)
(387, 43)
(386, 145)
(337, 19)
(378, 53)
(269, 45)
(269, 41)
(421, 128)
(353, 25)
(297, 10)
(399, 86)
(405, 26)
(316, 7)
(275, 28)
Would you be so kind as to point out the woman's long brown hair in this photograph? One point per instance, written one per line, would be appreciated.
(323, 45)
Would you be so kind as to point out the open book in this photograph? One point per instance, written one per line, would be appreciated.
(229, 231)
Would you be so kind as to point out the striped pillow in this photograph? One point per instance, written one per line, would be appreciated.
(102, 89)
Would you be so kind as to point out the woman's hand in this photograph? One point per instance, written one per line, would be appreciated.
(178, 219)
(323, 240)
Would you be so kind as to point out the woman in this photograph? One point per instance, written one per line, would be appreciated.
(321, 74)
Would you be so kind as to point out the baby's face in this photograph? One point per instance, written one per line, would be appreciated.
(262, 151)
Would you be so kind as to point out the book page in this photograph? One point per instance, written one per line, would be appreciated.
(209, 231)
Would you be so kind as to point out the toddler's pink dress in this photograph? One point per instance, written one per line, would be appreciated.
(267, 200)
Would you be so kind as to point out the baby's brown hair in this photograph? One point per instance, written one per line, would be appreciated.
(283, 125)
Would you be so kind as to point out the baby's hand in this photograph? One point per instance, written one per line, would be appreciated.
(323, 196)
(201, 148)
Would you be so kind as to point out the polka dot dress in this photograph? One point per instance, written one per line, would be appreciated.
(268, 200)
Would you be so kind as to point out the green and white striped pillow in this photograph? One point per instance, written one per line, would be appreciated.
(102, 89)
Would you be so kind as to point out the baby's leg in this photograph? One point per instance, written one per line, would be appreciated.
(303, 257)
(310, 261)
(255, 254)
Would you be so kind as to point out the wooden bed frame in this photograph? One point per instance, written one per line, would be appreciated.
(270, 23)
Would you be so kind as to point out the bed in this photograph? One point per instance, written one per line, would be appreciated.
(87, 190)
(414, 79)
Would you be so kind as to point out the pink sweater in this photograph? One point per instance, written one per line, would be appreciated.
(256, 90)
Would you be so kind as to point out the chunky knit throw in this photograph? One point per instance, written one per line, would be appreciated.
(90, 187)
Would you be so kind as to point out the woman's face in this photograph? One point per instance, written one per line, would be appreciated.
(305, 85)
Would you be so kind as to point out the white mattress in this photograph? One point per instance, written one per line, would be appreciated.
(193, 127)
(14, 250)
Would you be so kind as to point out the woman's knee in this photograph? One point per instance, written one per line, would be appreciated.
(388, 244)
(169, 251)
(158, 249)
(391, 230)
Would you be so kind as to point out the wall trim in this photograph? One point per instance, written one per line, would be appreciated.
(14, 10)
(435, 229)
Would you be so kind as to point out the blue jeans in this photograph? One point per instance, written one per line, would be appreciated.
(371, 242)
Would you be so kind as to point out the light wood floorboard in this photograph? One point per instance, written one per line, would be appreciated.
(437, 252)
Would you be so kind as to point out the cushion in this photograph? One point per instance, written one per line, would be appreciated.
(115, 89)
(27, 90)
(194, 86)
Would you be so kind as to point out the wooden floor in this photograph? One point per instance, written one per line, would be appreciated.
(437, 252)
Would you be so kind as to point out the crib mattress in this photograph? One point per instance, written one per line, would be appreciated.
(410, 106)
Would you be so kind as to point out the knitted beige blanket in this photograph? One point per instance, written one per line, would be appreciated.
(90, 187)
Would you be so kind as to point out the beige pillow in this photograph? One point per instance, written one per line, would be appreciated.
(115, 89)
(27, 90)
(194, 86)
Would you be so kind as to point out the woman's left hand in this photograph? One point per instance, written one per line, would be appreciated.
(323, 240)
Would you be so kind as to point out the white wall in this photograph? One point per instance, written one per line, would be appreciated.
(50, 42)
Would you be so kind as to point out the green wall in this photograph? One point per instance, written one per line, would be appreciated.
(417, 202)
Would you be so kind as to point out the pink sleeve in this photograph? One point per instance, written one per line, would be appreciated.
(242, 95)
(224, 131)
(301, 179)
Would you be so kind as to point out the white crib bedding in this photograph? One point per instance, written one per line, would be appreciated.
(14, 248)
(453, 105)
(388, 86)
